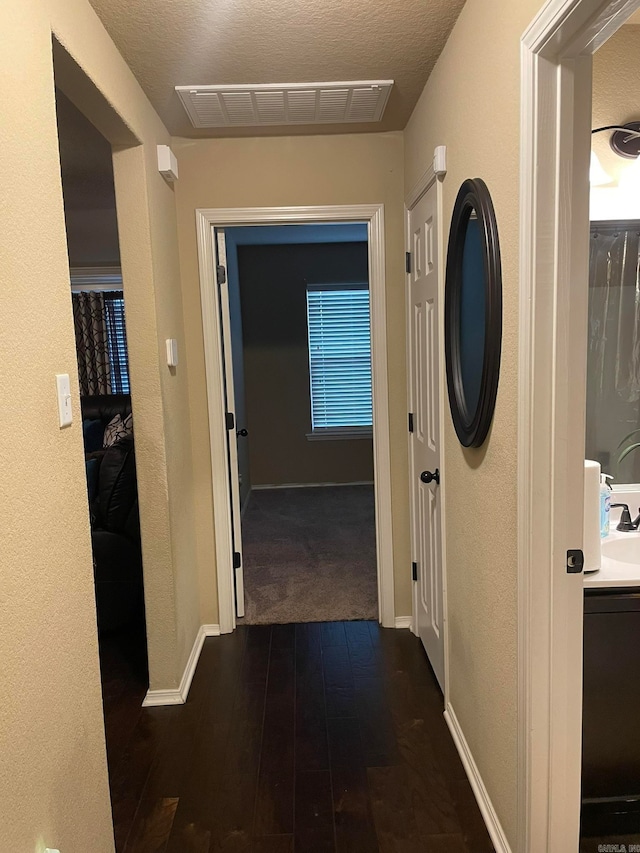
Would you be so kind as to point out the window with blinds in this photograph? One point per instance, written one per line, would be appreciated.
(339, 357)
(117, 342)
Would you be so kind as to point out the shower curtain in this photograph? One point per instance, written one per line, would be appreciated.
(613, 362)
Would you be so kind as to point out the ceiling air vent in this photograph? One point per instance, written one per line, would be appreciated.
(282, 104)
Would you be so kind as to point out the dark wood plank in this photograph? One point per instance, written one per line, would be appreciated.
(314, 813)
(129, 779)
(203, 810)
(311, 745)
(362, 653)
(345, 744)
(392, 809)
(273, 844)
(274, 800)
(152, 833)
(473, 826)
(338, 682)
(280, 747)
(355, 832)
(333, 634)
(377, 729)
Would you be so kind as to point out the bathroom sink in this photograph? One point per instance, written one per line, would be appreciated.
(624, 550)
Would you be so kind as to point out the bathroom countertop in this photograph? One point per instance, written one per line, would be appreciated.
(615, 573)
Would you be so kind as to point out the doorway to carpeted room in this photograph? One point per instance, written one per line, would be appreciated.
(310, 555)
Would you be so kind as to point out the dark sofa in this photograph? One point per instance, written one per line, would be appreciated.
(115, 525)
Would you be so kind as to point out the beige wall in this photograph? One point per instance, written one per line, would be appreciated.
(348, 169)
(471, 104)
(53, 786)
(616, 100)
(273, 282)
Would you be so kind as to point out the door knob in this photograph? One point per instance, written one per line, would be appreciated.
(428, 476)
(242, 432)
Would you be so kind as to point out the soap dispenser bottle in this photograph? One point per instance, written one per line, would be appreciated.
(605, 504)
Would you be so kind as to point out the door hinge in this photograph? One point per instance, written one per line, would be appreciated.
(407, 261)
(575, 562)
(237, 560)
(414, 571)
(231, 421)
(410, 421)
(221, 274)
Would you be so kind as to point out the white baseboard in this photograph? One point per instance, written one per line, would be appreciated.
(403, 622)
(178, 696)
(489, 815)
(308, 485)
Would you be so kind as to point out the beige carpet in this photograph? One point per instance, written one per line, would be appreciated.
(310, 555)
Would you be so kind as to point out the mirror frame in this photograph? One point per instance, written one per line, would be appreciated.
(472, 427)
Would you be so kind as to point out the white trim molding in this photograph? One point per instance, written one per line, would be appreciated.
(178, 695)
(481, 794)
(556, 53)
(373, 215)
(404, 622)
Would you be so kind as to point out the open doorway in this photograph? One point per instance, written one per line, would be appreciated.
(211, 225)
(299, 321)
(557, 64)
(99, 316)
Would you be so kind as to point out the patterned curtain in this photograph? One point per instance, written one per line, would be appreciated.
(92, 342)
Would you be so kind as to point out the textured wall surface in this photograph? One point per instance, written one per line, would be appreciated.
(471, 104)
(273, 283)
(53, 785)
(312, 170)
(616, 78)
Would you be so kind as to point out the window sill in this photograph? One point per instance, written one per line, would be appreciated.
(344, 433)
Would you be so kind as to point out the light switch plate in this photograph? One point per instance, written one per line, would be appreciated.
(64, 399)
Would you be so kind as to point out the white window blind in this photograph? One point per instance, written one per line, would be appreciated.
(117, 342)
(339, 356)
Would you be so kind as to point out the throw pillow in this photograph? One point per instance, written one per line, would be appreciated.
(117, 429)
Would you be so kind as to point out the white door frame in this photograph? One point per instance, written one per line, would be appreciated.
(373, 216)
(424, 183)
(556, 53)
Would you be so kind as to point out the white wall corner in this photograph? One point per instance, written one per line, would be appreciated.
(485, 805)
(178, 696)
(440, 160)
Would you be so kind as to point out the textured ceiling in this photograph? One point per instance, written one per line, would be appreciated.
(168, 43)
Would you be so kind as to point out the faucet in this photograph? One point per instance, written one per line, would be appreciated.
(625, 524)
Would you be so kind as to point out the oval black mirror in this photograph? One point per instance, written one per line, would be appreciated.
(473, 313)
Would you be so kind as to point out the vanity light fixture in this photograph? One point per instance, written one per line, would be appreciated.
(625, 141)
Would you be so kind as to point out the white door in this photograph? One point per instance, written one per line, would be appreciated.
(425, 422)
(232, 425)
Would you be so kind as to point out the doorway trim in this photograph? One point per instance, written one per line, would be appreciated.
(556, 52)
(373, 216)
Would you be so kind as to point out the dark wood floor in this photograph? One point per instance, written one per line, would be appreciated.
(306, 738)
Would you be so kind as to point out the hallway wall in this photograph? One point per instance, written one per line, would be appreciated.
(54, 786)
(471, 104)
(281, 171)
